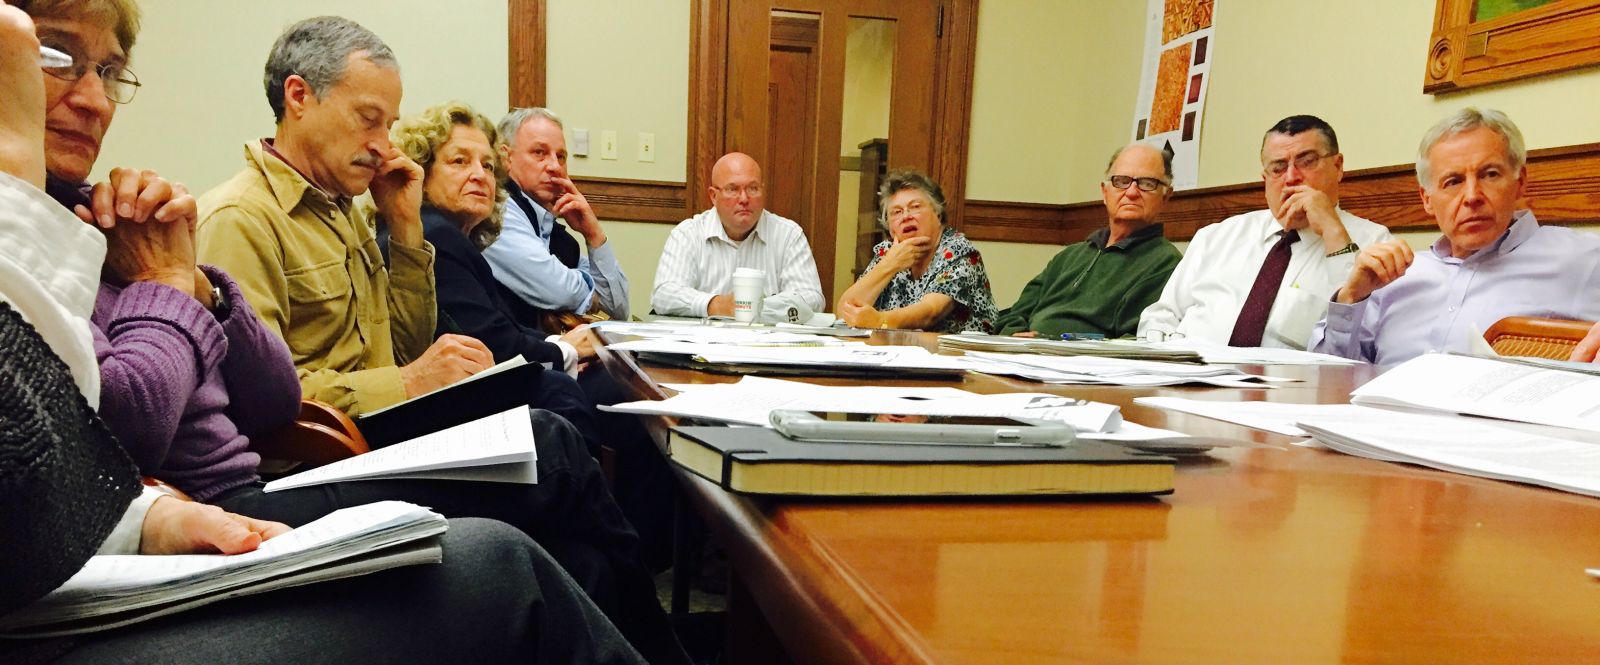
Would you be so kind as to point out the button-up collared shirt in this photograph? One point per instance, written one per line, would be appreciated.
(1531, 270)
(1207, 290)
(522, 262)
(698, 263)
(311, 267)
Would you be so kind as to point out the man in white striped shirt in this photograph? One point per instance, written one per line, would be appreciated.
(695, 275)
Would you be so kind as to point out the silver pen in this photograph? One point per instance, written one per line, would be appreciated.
(49, 57)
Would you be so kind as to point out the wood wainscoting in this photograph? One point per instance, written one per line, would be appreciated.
(1563, 188)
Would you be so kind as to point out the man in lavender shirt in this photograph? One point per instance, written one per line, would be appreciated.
(1493, 260)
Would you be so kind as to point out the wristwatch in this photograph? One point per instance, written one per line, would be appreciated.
(220, 307)
(1347, 249)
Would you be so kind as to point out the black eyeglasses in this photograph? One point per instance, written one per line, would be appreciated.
(1304, 162)
(1145, 184)
(119, 83)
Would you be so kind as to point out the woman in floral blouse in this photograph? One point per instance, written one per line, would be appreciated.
(928, 276)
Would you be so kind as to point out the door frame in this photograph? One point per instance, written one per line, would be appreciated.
(631, 200)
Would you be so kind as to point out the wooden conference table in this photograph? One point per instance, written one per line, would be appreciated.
(1261, 555)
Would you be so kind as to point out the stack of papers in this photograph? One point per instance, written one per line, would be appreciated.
(499, 448)
(1222, 354)
(1488, 387)
(725, 332)
(752, 400)
(847, 356)
(112, 591)
(1110, 371)
(1105, 349)
(1276, 417)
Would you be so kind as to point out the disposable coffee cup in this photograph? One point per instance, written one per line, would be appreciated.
(749, 285)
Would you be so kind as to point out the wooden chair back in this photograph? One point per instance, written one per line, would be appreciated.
(1536, 337)
(320, 435)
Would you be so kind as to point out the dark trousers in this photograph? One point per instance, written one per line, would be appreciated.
(497, 598)
(570, 512)
(644, 486)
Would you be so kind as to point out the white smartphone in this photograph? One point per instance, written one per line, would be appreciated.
(839, 426)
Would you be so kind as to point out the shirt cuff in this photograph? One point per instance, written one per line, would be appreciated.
(603, 258)
(126, 536)
(1345, 318)
(702, 304)
(569, 355)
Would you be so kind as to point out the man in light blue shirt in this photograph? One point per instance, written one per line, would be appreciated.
(535, 260)
(1493, 260)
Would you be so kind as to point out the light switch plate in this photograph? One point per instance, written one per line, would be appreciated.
(608, 144)
(580, 143)
(647, 147)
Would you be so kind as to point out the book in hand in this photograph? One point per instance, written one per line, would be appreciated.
(514, 382)
(751, 460)
(118, 590)
(495, 448)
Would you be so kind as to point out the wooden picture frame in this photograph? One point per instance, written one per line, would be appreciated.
(1465, 53)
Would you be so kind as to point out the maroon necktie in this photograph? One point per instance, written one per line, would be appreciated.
(1253, 317)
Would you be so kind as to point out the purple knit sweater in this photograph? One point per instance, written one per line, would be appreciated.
(182, 390)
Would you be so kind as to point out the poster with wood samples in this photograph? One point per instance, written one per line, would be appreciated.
(1172, 91)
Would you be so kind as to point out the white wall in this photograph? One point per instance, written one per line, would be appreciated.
(201, 64)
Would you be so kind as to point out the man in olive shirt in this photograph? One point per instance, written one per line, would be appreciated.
(308, 261)
(1102, 284)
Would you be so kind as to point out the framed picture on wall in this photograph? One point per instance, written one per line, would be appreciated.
(1483, 42)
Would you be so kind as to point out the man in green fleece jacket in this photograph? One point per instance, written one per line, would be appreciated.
(1101, 285)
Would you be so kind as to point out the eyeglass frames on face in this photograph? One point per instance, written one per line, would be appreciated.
(119, 84)
(1145, 184)
(1304, 162)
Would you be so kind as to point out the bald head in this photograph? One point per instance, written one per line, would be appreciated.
(736, 193)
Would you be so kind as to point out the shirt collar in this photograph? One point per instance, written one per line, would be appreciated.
(288, 184)
(712, 228)
(1523, 226)
(1100, 236)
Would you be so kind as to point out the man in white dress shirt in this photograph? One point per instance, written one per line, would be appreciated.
(535, 260)
(1265, 278)
(695, 275)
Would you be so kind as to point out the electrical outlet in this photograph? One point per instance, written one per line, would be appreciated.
(647, 147)
(608, 144)
(580, 143)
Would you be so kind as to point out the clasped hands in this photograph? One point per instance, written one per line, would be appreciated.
(149, 225)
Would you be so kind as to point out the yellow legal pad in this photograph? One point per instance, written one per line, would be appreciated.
(752, 460)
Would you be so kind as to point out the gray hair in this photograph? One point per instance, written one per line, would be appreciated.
(1466, 120)
(513, 122)
(317, 50)
(1166, 157)
(901, 180)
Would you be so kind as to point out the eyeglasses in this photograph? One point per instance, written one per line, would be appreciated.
(913, 208)
(1145, 184)
(752, 190)
(119, 83)
(1303, 162)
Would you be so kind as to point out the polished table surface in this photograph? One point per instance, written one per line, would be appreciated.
(1263, 555)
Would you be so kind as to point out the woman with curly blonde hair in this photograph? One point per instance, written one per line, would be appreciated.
(461, 215)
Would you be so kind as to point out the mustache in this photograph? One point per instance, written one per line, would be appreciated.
(368, 160)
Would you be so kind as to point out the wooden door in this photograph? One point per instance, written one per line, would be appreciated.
(785, 89)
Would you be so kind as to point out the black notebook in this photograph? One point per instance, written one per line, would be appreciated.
(494, 390)
(757, 460)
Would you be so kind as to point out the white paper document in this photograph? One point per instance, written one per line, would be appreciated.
(1547, 456)
(1110, 371)
(1276, 417)
(752, 400)
(847, 355)
(112, 591)
(1491, 388)
(1214, 353)
(496, 448)
(708, 334)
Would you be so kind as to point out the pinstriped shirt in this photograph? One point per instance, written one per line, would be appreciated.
(698, 263)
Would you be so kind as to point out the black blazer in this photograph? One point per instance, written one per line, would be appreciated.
(469, 297)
